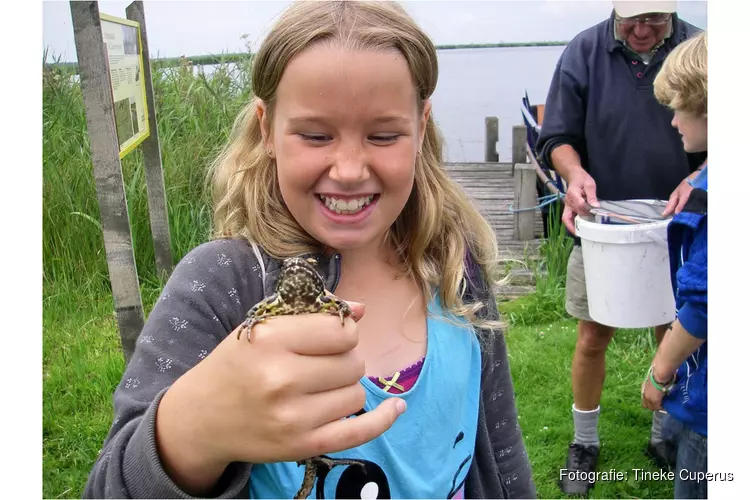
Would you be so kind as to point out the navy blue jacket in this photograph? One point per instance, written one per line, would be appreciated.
(688, 258)
(601, 102)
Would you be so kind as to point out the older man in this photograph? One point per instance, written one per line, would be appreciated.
(609, 138)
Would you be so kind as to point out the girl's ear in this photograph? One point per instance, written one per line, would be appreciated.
(423, 121)
(261, 111)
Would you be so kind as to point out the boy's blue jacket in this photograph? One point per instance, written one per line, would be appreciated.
(688, 256)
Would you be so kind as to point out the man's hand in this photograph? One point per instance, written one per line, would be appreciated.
(580, 196)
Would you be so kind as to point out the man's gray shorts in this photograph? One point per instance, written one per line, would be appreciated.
(576, 300)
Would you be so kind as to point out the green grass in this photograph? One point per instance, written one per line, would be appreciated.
(82, 360)
(540, 358)
(82, 366)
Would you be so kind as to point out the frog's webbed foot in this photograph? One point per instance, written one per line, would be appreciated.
(335, 305)
(258, 314)
(332, 462)
(248, 325)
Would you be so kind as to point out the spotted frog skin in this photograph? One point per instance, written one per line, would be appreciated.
(300, 290)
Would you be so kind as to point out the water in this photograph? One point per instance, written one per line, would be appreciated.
(476, 83)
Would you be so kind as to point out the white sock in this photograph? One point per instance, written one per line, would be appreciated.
(586, 425)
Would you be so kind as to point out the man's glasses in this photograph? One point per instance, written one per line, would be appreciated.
(651, 20)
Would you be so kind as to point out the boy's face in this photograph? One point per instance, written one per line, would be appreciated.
(694, 131)
(345, 133)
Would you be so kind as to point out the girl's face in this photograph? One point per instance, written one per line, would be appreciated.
(694, 131)
(345, 134)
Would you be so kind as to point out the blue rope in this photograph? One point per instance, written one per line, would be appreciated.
(546, 200)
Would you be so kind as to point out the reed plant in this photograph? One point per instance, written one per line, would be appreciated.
(194, 113)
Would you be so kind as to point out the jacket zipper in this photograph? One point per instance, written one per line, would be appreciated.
(337, 276)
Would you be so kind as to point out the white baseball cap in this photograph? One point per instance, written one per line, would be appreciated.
(631, 8)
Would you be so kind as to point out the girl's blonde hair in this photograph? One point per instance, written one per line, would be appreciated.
(438, 224)
(682, 82)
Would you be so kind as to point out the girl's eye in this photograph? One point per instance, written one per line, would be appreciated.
(384, 139)
(315, 137)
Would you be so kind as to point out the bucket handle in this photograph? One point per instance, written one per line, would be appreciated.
(656, 238)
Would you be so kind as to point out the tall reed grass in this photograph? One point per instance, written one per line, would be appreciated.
(194, 116)
(547, 303)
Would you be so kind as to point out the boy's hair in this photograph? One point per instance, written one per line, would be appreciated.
(682, 82)
(438, 224)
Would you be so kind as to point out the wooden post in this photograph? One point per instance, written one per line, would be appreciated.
(519, 144)
(524, 197)
(105, 154)
(491, 131)
(157, 201)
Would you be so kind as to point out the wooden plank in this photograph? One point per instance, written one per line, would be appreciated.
(491, 189)
(519, 144)
(525, 197)
(478, 164)
(157, 200)
(509, 292)
(105, 153)
(500, 172)
(491, 136)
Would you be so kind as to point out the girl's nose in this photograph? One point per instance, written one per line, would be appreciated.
(349, 165)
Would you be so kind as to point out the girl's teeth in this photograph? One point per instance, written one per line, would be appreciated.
(348, 207)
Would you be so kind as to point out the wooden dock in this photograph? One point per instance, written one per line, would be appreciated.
(497, 187)
(494, 190)
(492, 187)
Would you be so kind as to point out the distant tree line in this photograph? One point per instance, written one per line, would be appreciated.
(170, 62)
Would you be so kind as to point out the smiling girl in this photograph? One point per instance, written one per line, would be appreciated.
(337, 158)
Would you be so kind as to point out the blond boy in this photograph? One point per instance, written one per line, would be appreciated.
(677, 379)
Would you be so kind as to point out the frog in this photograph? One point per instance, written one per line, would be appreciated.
(301, 290)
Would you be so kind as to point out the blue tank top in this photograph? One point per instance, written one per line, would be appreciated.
(427, 452)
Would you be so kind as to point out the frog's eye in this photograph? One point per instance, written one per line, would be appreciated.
(312, 261)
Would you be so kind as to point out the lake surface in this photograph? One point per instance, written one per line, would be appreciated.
(476, 83)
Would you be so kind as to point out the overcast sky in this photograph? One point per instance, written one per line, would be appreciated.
(201, 27)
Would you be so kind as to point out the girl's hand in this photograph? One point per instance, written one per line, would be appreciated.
(286, 396)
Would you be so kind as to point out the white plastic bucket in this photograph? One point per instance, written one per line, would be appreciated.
(627, 273)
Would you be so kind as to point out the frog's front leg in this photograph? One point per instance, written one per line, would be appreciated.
(257, 314)
(248, 324)
(335, 305)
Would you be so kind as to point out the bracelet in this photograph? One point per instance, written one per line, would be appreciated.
(665, 388)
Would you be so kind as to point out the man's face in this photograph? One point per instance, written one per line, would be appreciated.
(643, 32)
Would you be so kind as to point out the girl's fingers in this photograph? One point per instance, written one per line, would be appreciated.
(308, 334)
(330, 406)
(316, 374)
(355, 431)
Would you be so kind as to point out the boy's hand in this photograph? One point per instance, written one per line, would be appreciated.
(679, 196)
(651, 397)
